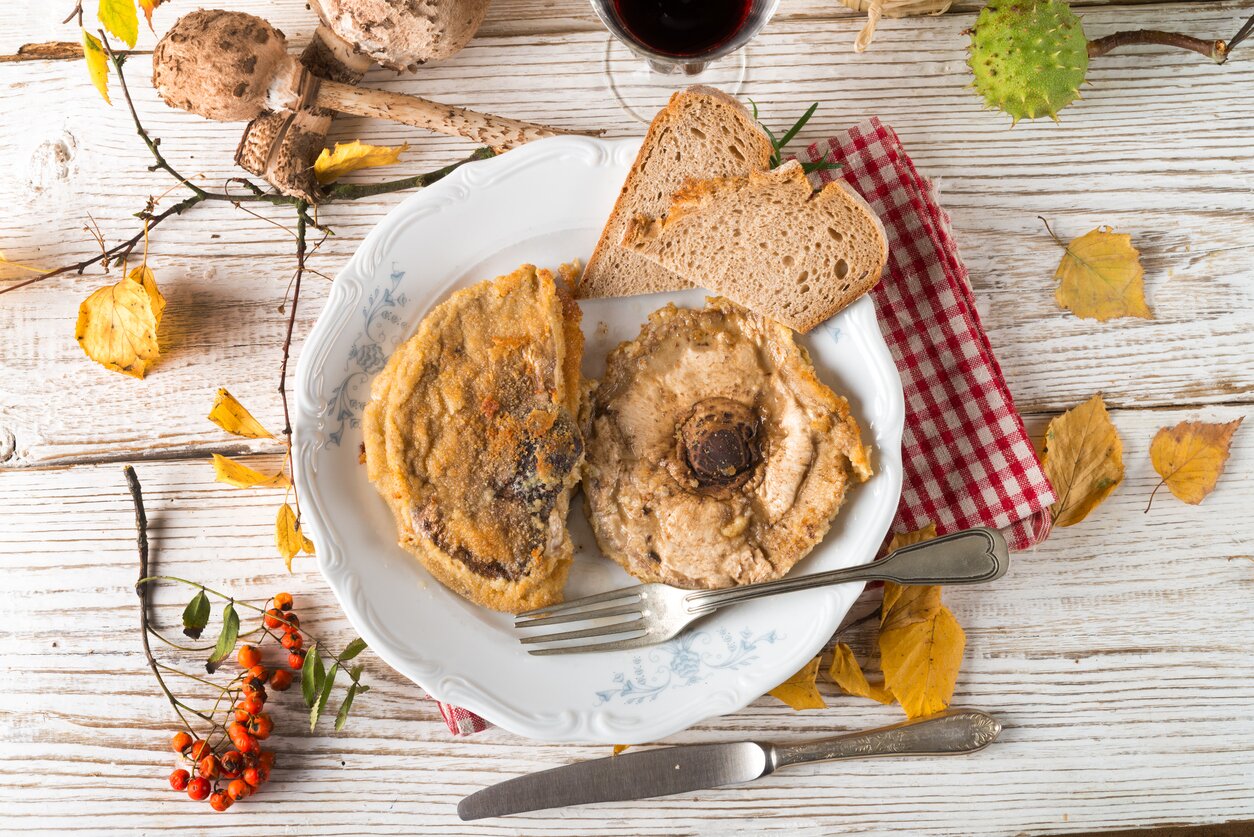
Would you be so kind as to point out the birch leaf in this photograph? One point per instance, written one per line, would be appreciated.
(241, 476)
(1191, 456)
(117, 325)
(287, 535)
(921, 646)
(847, 674)
(799, 691)
(1083, 459)
(232, 417)
(120, 18)
(351, 156)
(1100, 277)
(97, 64)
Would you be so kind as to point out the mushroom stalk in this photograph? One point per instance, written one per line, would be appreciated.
(234, 66)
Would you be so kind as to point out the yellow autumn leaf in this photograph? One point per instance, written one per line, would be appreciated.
(921, 646)
(149, 6)
(287, 535)
(351, 156)
(1190, 457)
(232, 417)
(241, 476)
(847, 674)
(799, 691)
(306, 545)
(97, 63)
(1083, 459)
(117, 325)
(120, 18)
(1100, 277)
(621, 748)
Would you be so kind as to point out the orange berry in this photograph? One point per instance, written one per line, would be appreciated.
(293, 622)
(208, 767)
(200, 749)
(253, 776)
(198, 788)
(248, 656)
(292, 641)
(266, 759)
(274, 618)
(251, 706)
(281, 680)
(260, 727)
(259, 675)
(179, 779)
(180, 742)
(283, 601)
(220, 801)
(232, 763)
(238, 789)
(296, 660)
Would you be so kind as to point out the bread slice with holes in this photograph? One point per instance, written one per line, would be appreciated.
(769, 242)
(701, 133)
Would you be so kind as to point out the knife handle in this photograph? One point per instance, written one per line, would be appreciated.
(952, 732)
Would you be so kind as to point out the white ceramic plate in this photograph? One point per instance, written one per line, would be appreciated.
(545, 203)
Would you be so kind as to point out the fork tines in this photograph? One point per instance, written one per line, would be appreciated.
(619, 605)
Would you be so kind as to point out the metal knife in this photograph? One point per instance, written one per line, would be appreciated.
(698, 766)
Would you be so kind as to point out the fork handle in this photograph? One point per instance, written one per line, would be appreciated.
(972, 556)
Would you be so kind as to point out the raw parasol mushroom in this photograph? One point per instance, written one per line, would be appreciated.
(234, 66)
(403, 35)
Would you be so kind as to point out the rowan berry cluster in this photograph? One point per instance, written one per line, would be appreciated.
(231, 764)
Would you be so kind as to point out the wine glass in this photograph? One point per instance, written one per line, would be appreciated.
(702, 40)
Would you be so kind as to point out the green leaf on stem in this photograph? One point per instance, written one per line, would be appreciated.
(196, 615)
(311, 674)
(316, 711)
(226, 639)
(342, 716)
(354, 648)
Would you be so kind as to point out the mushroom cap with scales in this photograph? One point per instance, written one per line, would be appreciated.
(220, 65)
(401, 34)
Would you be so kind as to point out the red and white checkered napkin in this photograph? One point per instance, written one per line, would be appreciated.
(967, 458)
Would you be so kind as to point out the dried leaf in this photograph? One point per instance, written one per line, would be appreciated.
(351, 156)
(120, 18)
(1100, 277)
(287, 535)
(1083, 459)
(241, 476)
(226, 639)
(117, 325)
(306, 545)
(901, 539)
(847, 674)
(196, 615)
(621, 748)
(231, 416)
(1191, 456)
(149, 6)
(921, 646)
(97, 64)
(799, 691)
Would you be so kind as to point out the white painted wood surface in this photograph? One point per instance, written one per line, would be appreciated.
(1118, 653)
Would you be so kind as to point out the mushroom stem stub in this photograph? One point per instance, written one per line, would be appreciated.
(719, 441)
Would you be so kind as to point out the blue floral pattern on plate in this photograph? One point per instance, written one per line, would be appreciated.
(677, 664)
(367, 356)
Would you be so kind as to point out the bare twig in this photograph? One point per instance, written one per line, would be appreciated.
(1217, 51)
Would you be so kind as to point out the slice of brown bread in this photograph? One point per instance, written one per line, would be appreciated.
(769, 242)
(701, 133)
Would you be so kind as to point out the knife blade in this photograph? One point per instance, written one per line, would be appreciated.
(672, 770)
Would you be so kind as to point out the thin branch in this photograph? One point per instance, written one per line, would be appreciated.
(1216, 51)
(301, 229)
(353, 191)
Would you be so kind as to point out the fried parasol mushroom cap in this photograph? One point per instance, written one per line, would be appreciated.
(230, 81)
(403, 34)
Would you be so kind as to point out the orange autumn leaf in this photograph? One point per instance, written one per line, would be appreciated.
(621, 748)
(117, 325)
(1100, 277)
(847, 674)
(234, 418)
(799, 691)
(241, 476)
(921, 642)
(1083, 459)
(149, 6)
(1191, 456)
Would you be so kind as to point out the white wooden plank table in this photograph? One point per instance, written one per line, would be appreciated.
(1118, 653)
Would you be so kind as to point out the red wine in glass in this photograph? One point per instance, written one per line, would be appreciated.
(682, 27)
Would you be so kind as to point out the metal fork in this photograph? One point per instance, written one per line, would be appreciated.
(653, 613)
